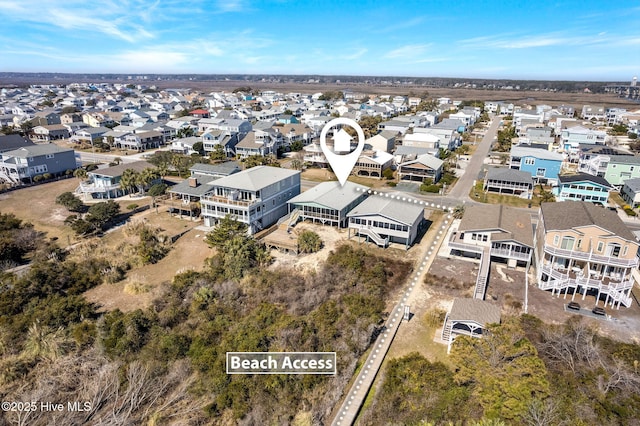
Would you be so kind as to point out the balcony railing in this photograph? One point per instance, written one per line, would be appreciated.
(228, 201)
(571, 279)
(591, 257)
(92, 187)
(512, 254)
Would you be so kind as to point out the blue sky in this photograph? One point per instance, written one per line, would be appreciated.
(558, 40)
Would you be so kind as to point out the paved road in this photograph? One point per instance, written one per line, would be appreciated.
(90, 157)
(461, 189)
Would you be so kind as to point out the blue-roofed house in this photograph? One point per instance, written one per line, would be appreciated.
(582, 187)
(543, 165)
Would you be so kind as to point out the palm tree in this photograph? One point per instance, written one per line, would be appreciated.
(145, 178)
(129, 180)
(80, 173)
(41, 342)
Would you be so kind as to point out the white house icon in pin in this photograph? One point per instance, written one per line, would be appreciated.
(342, 141)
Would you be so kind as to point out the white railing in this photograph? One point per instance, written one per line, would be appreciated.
(373, 235)
(589, 256)
(510, 254)
(92, 187)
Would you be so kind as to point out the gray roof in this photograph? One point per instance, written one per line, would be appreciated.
(256, 178)
(474, 310)
(515, 223)
(9, 142)
(413, 150)
(584, 177)
(204, 184)
(523, 151)
(633, 184)
(393, 209)
(116, 171)
(36, 150)
(329, 194)
(426, 160)
(576, 214)
(226, 168)
(509, 175)
(624, 159)
(449, 123)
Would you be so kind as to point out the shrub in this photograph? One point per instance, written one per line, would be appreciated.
(392, 184)
(430, 188)
(309, 242)
(47, 176)
(132, 206)
(38, 178)
(629, 211)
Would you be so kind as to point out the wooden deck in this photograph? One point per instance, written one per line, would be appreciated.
(281, 239)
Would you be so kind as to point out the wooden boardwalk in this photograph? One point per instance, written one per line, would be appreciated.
(355, 397)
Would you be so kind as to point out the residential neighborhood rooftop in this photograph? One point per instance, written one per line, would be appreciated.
(515, 224)
(394, 209)
(584, 177)
(475, 310)
(256, 178)
(509, 175)
(329, 194)
(575, 214)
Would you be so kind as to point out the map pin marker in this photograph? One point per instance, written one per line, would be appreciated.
(342, 164)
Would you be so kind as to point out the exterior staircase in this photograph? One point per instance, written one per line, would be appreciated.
(293, 218)
(5, 177)
(483, 274)
(446, 330)
(373, 235)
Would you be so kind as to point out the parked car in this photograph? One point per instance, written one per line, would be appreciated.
(574, 306)
(599, 311)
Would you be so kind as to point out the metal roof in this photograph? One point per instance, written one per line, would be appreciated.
(329, 194)
(400, 211)
(256, 178)
(521, 151)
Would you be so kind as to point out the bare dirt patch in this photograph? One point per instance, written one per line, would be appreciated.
(187, 253)
(37, 204)
(452, 277)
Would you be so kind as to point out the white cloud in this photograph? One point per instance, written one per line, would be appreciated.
(408, 52)
(120, 20)
(355, 55)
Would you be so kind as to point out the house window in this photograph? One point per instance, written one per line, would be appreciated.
(50, 156)
(624, 250)
(600, 246)
(541, 172)
(567, 243)
(556, 240)
(579, 243)
(530, 161)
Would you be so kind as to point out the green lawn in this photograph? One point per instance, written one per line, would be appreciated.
(477, 194)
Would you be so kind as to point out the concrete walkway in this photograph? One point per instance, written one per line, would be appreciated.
(359, 389)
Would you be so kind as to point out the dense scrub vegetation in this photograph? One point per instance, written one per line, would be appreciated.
(167, 363)
(522, 372)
